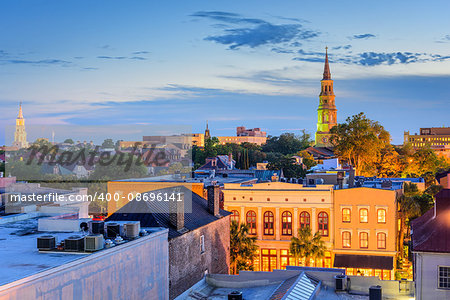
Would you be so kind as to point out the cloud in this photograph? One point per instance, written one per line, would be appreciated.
(36, 62)
(346, 47)
(111, 57)
(89, 68)
(140, 52)
(363, 36)
(256, 32)
(138, 58)
(445, 39)
(371, 58)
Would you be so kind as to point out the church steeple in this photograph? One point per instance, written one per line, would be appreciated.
(20, 116)
(326, 113)
(20, 135)
(326, 69)
(207, 133)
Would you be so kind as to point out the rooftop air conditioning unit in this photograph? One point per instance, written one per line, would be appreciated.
(96, 227)
(74, 243)
(94, 242)
(131, 229)
(235, 295)
(341, 282)
(113, 230)
(46, 242)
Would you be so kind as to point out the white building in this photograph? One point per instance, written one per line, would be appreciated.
(431, 250)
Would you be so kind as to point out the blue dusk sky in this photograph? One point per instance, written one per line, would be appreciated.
(251, 63)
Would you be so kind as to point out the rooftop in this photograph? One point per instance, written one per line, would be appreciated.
(19, 256)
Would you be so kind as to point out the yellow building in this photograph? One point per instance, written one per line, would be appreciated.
(358, 225)
(437, 138)
(259, 140)
(20, 135)
(275, 211)
(365, 231)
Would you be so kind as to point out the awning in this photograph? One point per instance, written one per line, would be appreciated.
(364, 261)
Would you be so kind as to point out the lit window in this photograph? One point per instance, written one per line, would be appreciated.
(381, 240)
(234, 216)
(363, 240)
(346, 239)
(323, 223)
(304, 219)
(286, 223)
(363, 215)
(444, 277)
(381, 216)
(268, 223)
(346, 215)
(251, 222)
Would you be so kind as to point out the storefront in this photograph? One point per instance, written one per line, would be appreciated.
(366, 265)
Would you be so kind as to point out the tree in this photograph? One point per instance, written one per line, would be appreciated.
(108, 144)
(425, 163)
(308, 159)
(289, 166)
(389, 163)
(307, 245)
(242, 248)
(287, 143)
(359, 142)
(68, 141)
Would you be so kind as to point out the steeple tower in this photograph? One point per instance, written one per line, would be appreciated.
(327, 111)
(20, 135)
(207, 133)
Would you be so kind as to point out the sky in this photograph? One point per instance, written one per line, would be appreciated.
(233, 63)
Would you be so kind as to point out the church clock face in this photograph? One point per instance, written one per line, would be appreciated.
(324, 139)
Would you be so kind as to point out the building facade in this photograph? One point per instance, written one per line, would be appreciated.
(275, 211)
(327, 112)
(365, 231)
(20, 135)
(358, 225)
(437, 138)
(431, 250)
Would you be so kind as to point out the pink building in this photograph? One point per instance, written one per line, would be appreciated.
(242, 131)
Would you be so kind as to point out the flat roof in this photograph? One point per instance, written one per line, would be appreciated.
(19, 256)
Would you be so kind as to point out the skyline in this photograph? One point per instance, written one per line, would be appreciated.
(232, 64)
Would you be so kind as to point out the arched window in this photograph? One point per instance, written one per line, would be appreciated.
(268, 223)
(234, 216)
(363, 240)
(381, 213)
(286, 223)
(346, 239)
(363, 215)
(346, 215)
(304, 219)
(381, 240)
(323, 223)
(251, 221)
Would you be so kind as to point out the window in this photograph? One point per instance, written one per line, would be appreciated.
(235, 216)
(286, 259)
(286, 223)
(268, 223)
(346, 239)
(323, 223)
(363, 215)
(268, 259)
(381, 240)
(304, 219)
(202, 243)
(251, 222)
(363, 240)
(444, 277)
(346, 215)
(381, 213)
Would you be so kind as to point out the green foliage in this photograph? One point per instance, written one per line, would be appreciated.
(242, 248)
(125, 166)
(289, 166)
(307, 245)
(108, 144)
(308, 159)
(69, 141)
(22, 170)
(287, 143)
(359, 142)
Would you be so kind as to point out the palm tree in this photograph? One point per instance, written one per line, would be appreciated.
(307, 245)
(408, 207)
(242, 248)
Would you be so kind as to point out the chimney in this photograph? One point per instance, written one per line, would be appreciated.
(213, 199)
(176, 213)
